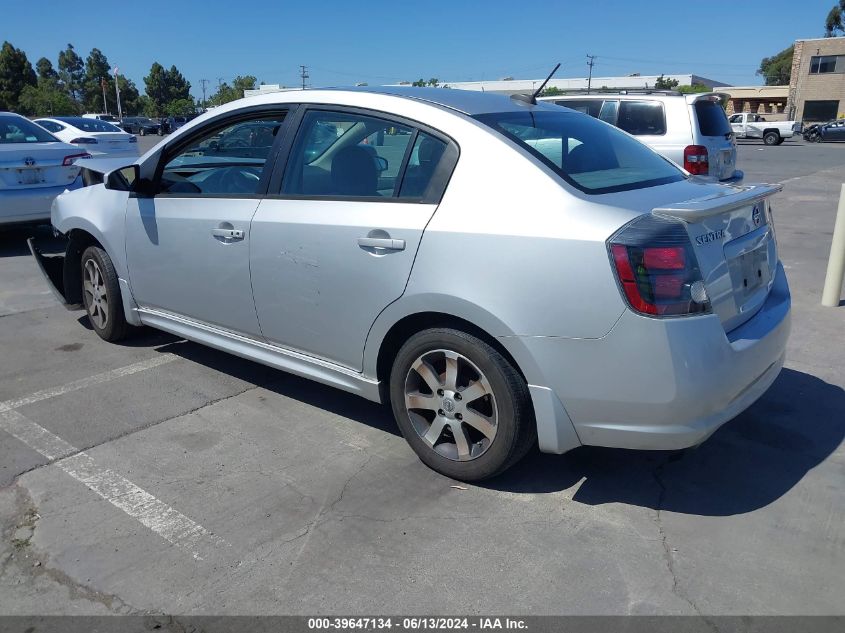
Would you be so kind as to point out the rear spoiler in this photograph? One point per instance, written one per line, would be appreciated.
(729, 198)
(708, 96)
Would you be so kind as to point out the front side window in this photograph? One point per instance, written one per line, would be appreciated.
(15, 129)
(339, 154)
(641, 118)
(589, 154)
(225, 160)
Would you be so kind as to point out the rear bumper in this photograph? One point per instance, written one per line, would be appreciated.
(665, 383)
(30, 205)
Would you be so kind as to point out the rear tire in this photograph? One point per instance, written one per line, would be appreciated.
(473, 417)
(101, 295)
(771, 138)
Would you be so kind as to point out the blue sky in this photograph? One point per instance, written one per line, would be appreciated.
(379, 41)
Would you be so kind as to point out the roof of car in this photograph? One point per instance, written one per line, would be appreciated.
(471, 102)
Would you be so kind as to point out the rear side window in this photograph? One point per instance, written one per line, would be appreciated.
(342, 154)
(587, 106)
(712, 120)
(51, 126)
(642, 118)
(425, 157)
(589, 154)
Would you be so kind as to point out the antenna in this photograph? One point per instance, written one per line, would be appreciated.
(532, 99)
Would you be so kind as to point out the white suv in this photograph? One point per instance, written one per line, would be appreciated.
(691, 130)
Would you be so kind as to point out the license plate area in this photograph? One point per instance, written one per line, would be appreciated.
(29, 176)
(751, 262)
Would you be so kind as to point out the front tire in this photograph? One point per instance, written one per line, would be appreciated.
(101, 295)
(771, 138)
(461, 405)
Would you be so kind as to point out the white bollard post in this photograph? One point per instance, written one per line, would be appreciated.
(836, 264)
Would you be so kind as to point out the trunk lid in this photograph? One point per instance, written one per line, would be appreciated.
(34, 165)
(111, 142)
(714, 132)
(733, 238)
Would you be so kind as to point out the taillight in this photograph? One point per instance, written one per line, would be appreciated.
(84, 140)
(696, 161)
(657, 269)
(69, 160)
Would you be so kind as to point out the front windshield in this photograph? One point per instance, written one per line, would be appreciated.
(15, 129)
(589, 154)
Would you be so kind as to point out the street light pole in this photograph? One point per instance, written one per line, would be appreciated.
(117, 94)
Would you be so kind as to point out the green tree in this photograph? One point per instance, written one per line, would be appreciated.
(130, 100)
(45, 70)
(97, 72)
(691, 89)
(552, 91)
(834, 23)
(226, 93)
(179, 107)
(777, 70)
(71, 71)
(15, 73)
(663, 83)
(48, 98)
(164, 86)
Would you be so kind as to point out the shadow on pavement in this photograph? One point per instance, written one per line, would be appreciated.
(301, 389)
(750, 462)
(747, 464)
(13, 240)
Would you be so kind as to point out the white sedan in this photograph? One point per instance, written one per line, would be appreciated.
(35, 167)
(99, 138)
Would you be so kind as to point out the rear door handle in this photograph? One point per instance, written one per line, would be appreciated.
(386, 243)
(228, 234)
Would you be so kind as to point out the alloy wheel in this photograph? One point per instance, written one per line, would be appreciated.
(451, 405)
(96, 297)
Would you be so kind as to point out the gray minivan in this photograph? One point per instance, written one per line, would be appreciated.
(691, 130)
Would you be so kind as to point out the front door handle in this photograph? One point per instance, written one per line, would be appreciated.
(228, 234)
(386, 243)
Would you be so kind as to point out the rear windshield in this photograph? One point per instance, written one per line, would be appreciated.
(712, 120)
(589, 154)
(91, 125)
(15, 129)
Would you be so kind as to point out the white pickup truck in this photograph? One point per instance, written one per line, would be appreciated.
(750, 125)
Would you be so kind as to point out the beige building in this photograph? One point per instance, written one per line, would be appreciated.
(817, 85)
(768, 100)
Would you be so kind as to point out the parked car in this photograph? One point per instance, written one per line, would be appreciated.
(35, 167)
(750, 125)
(140, 125)
(98, 138)
(172, 123)
(108, 118)
(691, 130)
(830, 131)
(505, 273)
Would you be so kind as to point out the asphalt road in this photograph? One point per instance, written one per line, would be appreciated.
(208, 484)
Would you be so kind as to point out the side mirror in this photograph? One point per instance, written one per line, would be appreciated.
(381, 163)
(123, 179)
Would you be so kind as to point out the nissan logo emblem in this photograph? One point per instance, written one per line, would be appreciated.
(755, 215)
(29, 161)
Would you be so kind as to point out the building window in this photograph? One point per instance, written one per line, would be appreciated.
(820, 110)
(822, 64)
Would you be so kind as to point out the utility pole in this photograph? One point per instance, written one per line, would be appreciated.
(303, 74)
(103, 86)
(204, 83)
(590, 76)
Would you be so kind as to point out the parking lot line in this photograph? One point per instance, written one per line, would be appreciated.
(82, 383)
(168, 523)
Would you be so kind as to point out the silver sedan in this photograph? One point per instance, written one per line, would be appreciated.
(500, 272)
